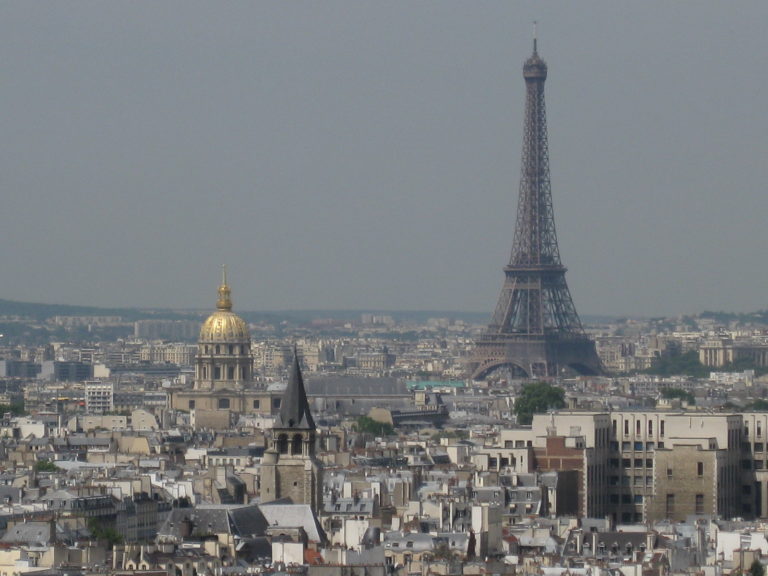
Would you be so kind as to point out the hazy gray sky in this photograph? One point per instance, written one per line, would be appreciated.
(365, 154)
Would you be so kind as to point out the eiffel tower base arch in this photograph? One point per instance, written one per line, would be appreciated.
(536, 358)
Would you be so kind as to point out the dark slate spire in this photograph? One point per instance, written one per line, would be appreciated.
(294, 409)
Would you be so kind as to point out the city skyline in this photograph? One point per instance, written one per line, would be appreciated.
(365, 156)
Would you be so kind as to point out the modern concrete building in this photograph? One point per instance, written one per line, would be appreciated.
(99, 397)
(641, 466)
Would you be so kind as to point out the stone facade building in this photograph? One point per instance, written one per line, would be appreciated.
(290, 468)
(223, 358)
(224, 367)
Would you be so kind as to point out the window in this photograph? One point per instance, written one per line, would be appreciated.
(759, 447)
(639, 446)
(626, 427)
(230, 373)
(638, 462)
(670, 507)
(626, 499)
(626, 462)
(700, 469)
(638, 428)
(276, 402)
(648, 463)
(758, 464)
(759, 433)
(661, 428)
(746, 464)
(669, 472)
(650, 427)
(613, 463)
(223, 403)
(614, 499)
(649, 446)
(638, 498)
(217, 373)
(625, 446)
(191, 404)
(614, 427)
(699, 503)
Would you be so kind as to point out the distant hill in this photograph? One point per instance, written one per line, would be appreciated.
(40, 311)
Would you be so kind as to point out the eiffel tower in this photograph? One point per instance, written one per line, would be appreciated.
(535, 330)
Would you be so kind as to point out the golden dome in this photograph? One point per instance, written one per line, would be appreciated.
(224, 325)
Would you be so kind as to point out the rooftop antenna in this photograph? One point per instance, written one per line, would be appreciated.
(535, 25)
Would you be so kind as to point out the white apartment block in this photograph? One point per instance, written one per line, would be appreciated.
(99, 397)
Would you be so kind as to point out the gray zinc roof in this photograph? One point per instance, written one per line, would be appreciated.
(215, 519)
(294, 516)
(33, 533)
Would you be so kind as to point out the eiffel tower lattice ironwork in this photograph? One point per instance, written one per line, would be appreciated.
(535, 329)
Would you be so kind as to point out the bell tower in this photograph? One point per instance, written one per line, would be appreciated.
(290, 468)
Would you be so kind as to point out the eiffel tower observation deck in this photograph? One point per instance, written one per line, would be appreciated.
(535, 330)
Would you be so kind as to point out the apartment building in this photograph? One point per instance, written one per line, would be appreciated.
(656, 458)
(641, 466)
(99, 397)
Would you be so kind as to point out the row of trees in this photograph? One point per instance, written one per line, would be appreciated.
(534, 398)
(688, 364)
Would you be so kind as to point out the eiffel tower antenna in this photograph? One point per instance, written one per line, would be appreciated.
(535, 330)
